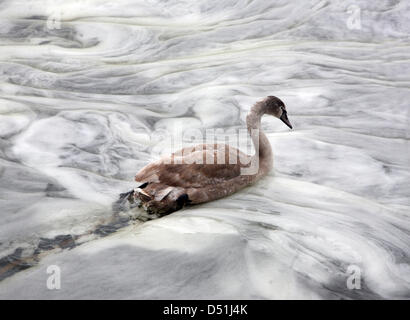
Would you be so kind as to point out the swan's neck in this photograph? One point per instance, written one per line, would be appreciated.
(263, 149)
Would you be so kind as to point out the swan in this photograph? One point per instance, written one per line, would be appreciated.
(196, 175)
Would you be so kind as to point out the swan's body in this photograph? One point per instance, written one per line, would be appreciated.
(207, 172)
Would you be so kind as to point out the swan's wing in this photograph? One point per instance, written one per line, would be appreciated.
(195, 168)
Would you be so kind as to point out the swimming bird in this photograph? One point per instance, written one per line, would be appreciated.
(207, 172)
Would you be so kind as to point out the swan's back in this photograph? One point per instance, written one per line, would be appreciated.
(208, 172)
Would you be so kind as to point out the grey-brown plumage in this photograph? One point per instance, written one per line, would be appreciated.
(207, 172)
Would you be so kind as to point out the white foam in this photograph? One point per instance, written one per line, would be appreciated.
(80, 106)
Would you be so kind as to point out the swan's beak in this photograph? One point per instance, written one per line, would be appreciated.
(284, 118)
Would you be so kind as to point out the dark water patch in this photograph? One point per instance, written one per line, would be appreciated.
(14, 263)
(124, 203)
(387, 168)
(55, 190)
(63, 241)
(42, 27)
(37, 17)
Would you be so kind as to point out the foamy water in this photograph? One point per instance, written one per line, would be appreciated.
(89, 87)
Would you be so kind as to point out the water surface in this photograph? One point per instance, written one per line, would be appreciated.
(88, 89)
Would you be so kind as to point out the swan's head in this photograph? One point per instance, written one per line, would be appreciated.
(275, 107)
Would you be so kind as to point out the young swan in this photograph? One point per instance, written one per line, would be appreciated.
(208, 171)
